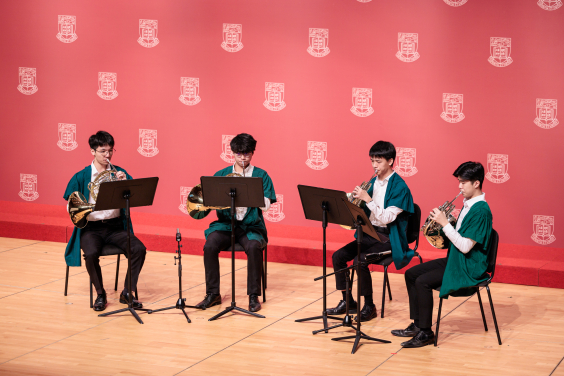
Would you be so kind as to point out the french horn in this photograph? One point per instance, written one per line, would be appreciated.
(365, 186)
(432, 230)
(195, 201)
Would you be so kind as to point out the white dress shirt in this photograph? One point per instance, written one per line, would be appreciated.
(247, 173)
(464, 245)
(102, 214)
(378, 215)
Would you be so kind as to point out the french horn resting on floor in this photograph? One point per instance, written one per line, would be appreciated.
(78, 206)
(195, 201)
(432, 230)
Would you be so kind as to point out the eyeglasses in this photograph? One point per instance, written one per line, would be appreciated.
(108, 152)
(246, 155)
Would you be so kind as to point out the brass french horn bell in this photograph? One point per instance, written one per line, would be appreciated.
(365, 186)
(195, 202)
(432, 230)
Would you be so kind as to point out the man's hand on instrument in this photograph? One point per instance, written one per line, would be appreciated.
(439, 217)
(362, 194)
(121, 175)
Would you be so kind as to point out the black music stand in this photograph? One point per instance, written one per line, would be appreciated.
(232, 192)
(362, 225)
(124, 194)
(326, 206)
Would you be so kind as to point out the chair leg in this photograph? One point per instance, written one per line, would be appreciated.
(117, 272)
(482, 308)
(420, 259)
(91, 297)
(263, 285)
(265, 266)
(136, 296)
(388, 282)
(67, 281)
(438, 322)
(384, 292)
(493, 314)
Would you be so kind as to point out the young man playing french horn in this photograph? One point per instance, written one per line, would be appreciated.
(103, 227)
(388, 204)
(466, 262)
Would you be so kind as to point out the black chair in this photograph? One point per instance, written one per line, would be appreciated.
(239, 248)
(413, 230)
(108, 250)
(492, 258)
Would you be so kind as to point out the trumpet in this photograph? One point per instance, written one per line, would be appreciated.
(365, 186)
(78, 206)
(432, 230)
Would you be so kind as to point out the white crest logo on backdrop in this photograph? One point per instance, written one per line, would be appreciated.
(275, 213)
(67, 137)
(405, 162)
(67, 29)
(148, 142)
(452, 108)
(364, 1)
(407, 47)
(318, 41)
(107, 85)
(500, 49)
(274, 93)
(543, 227)
(28, 187)
(28, 81)
(549, 4)
(226, 152)
(232, 36)
(184, 192)
(497, 168)
(189, 91)
(317, 155)
(148, 33)
(362, 102)
(455, 3)
(546, 113)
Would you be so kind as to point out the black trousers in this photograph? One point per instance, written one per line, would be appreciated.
(349, 252)
(420, 281)
(95, 235)
(218, 241)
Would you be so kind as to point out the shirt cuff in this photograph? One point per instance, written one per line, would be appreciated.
(371, 205)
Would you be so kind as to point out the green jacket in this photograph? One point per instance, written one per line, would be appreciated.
(79, 182)
(468, 269)
(253, 222)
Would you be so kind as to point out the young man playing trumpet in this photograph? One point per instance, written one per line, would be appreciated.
(250, 230)
(103, 227)
(466, 262)
(388, 204)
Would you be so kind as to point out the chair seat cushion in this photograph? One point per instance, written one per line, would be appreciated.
(109, 250)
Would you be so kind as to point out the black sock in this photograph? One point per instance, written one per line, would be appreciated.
(351, 298)
(416, 322)
(368, 300)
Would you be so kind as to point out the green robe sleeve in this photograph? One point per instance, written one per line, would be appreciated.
(399, 195)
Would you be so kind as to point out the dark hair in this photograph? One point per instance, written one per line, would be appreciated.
(243, 143)
(470, 171)
(383, 149)
(101, 138)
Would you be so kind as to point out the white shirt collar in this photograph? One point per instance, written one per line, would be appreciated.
(248, 171)
(95, 171)
(468, 203)
(384, 181)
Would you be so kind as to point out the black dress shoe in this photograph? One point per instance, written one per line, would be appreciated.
(254, 304)
(209, 301)
(100, 303)
(124, 299)
(341, 308)
(410, 331)
(367, 313)
(421, 339)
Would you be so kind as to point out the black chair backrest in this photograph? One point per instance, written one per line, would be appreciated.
(492, 253)
(414, 224)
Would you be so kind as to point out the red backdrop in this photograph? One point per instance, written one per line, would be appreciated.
(500, 61)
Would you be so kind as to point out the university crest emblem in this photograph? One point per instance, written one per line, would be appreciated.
(549, 4)
(148, 33)
(28, 187)
(497, 168)
(317, 155)
(543, 227)
(452, 108)
(67, 137)
(364, 1)
(405, 162)
(275, 212)
(407, 47)
(455, 3)
(189, 91)
(318, 41)
(107, 85)
(232, 35)
(28, 81)
(362, 102)
(274, 93)
(148, 142)
(546, 113)
(67, 29)
(226, 153)
(184, 192)
(500, 49)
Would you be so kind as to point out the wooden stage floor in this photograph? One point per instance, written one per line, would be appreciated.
(45, 333)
